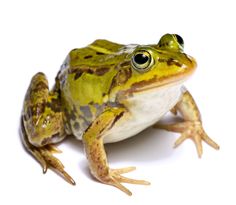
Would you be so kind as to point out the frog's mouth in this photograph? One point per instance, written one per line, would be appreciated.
(157, 83)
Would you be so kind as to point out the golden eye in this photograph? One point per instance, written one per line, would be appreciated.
(142, 61)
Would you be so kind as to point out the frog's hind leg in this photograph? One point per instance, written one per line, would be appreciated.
(191, 127)
(42, 125)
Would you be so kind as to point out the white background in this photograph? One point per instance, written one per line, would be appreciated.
(37, 35)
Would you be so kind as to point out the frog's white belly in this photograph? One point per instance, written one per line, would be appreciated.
(145, 110)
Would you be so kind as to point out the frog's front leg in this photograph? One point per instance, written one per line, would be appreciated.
(42, 124)
(192, 125)
(93, 142)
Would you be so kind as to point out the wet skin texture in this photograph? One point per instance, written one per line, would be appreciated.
(107, 92)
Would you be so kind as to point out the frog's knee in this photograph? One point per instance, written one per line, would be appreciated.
(38, 82)
(40, 76)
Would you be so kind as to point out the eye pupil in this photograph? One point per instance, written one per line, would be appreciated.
(179, 39)
(141, 58)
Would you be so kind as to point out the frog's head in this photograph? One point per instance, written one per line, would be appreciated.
(156, 66)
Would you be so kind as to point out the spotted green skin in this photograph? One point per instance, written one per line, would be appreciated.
(95, 78)
(91, 95)
(101, 76)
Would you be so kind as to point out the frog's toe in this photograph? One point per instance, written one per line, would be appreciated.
(53, 149)
(116, 173)
(118, 185)
(210, 142)
(115, 179)
(47, 160)
(44, 155)
(54, 163)
(123, 170)
(38, 157)
(196, 138)
(190, 130)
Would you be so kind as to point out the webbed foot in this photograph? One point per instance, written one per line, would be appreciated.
(115, 178)
(190, 130)
(44, 155)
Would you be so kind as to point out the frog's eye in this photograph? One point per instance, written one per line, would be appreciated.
(141, 61)
(179, 40)
(171, 41)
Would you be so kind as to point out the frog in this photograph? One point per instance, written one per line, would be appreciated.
(107, 92)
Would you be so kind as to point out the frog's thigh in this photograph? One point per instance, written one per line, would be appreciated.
(93, 142)
(42, 116)
(42, 124)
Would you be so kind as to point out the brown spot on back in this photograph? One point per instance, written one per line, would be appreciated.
(87, 57)
(78, 74)
(97, 71)
(124, 64)
(100, 53)
(122, 76)
(89, 71)
(101, 71)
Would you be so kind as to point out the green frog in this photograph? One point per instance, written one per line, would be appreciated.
(107, 92)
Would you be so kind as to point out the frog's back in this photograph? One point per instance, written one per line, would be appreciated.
(85, 78)
(97, 53)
